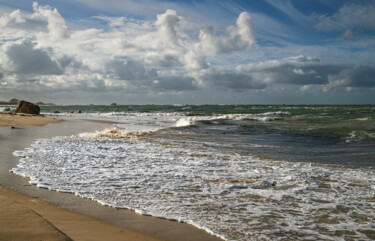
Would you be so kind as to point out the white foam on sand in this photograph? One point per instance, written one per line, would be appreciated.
(235, 197)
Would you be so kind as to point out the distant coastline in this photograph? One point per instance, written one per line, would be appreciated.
(15, 102)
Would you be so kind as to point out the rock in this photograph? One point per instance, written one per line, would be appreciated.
(7, 109)
(27, 108)
(79, 111)
(57, 112)
(113, 104)
(14, 127)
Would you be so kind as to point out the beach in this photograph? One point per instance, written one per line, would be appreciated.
(203, 172)
(63, 216)
(19, 119)
(29, 218)
(188, 120)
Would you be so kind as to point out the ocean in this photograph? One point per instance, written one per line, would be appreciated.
(240, 172)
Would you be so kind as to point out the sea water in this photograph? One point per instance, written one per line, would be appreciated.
(238, 172)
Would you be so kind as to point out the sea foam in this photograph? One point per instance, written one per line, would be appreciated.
(235, 197)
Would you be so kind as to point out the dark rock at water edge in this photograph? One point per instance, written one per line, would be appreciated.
(113, 104)
(27, 108)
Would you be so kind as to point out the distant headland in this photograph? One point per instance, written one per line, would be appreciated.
(15, 102)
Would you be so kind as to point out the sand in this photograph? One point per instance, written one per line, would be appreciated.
(26, 218)
(9, 119)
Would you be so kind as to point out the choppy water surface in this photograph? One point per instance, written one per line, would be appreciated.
(240, 172)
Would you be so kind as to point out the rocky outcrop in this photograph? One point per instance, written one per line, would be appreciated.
(27, 108)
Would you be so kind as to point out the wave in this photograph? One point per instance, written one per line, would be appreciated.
(115, 133)
(363, 119)
(170, 119)
(360, 135)
(7, 108)
(111, 114)
(264, 117)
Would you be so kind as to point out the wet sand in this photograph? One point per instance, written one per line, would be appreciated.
(127, 222)
(28, 218)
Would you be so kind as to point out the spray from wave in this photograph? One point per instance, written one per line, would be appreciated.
(115, 133)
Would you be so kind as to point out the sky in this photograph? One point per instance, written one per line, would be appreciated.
(188, 52)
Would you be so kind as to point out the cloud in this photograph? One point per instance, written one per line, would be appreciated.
(178, 83)
(236, 38)
(167, 25)
(159, 60)
(12, 18)
(113, 21)
(347, 34)
(287, 8)
(128, 69)
(129, 51)
(194, 60)
(25, 58)
(45, 23)
(163, 56)
(231, 80)
(56, 24)
(70, 64)
(349, 16)
(355, 76)
(301, 70)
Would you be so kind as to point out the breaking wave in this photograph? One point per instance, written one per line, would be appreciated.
(115, 133)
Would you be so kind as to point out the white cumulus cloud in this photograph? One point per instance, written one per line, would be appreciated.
(236, 38)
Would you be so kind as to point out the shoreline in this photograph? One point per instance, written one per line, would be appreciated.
(19, 139)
